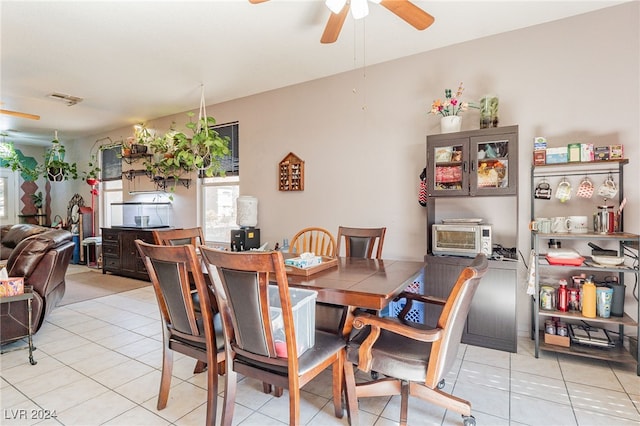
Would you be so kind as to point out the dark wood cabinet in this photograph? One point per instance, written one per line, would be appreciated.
(476, 163)
(492, 320)
(119, 252)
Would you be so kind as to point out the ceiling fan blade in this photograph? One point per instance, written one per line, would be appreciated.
(20, 114)
(334, 25)
(257, 1)
(409, 12)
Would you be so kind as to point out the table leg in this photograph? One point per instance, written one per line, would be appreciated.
(30, 330)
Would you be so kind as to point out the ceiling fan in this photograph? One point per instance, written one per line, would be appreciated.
(19, 114)
(404, 9)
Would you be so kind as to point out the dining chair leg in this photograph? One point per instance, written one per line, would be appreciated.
(200, 367)
(165, 378)
(231, 382)
(350, 394)
(337, 383)
(404, 403)
(294, 405)
(212, 395)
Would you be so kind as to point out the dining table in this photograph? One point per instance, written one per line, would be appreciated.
(354, 283)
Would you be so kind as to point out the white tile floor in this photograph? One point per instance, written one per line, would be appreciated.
(99, 363)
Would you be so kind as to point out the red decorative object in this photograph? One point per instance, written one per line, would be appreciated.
(92, 181)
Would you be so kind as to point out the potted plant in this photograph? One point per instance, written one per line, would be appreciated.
(183, 154)
(91, 175)
(54, 165)
(37, 199)
(14, 160)
(204, 149)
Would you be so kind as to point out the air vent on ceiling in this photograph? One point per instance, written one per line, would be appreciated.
(68, 99)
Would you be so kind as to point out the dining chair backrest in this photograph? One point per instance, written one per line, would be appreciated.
(314, 240)
(173, 237)
(453, 320)
(360, 242)
(187, 328)
(242, 282)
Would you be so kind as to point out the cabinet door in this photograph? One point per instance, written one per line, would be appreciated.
(448, 168)
(494, 164)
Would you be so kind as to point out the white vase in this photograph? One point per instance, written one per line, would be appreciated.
(450, 124)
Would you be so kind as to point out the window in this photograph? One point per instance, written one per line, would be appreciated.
(111, 173)
(219, 194)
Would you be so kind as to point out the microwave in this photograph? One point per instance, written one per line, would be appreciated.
(460, 239)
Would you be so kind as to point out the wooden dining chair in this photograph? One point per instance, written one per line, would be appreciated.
(313, 240)
(413, 361)
(360, 242)
(242, 284)
(173, 237)
(185, 329)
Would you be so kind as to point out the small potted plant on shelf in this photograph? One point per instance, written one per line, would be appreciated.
(37, 199)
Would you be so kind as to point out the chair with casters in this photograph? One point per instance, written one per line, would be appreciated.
(174, 237)
(313, 240)
(413, 359)
(360, 242)
(196, 333)
(242, 282)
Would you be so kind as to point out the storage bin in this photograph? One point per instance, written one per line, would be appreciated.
(416, 314)
(303, 307)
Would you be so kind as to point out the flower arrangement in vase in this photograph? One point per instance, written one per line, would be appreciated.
(450, 109)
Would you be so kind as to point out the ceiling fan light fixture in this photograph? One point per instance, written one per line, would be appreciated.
(359, 9)
(335, 6)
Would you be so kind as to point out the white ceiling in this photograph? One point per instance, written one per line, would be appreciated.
(133, 61)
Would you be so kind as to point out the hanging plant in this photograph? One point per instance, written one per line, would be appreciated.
(202, 151)
(91, 175)
(55, 167)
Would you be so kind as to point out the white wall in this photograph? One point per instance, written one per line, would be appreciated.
(363, 138)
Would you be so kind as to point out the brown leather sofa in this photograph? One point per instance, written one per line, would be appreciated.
(11, 235)
(42, 260)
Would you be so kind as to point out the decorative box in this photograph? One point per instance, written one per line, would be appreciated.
(557, 155)
(11, 286)
(540, 157)
(304, 261)
(574, 150)
(539, 143)
(586, 152)
(552, 339)
(616, 152)
(601, 153)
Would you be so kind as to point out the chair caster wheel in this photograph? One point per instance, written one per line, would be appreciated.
(375, 375)
(468, 421)
(441, 384)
